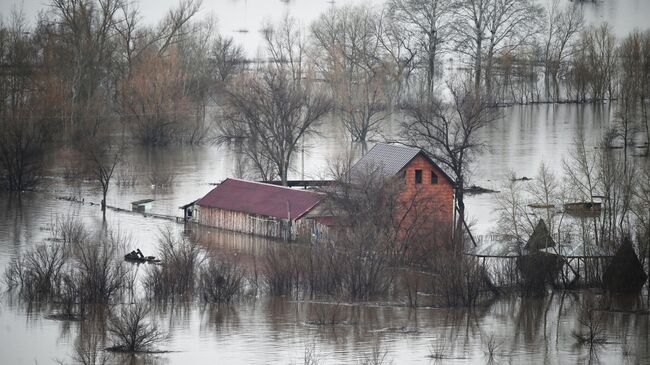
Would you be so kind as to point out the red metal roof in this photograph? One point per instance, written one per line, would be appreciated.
(261, 199)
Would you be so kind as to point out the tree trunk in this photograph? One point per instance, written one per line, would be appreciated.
(104, 193)
(478, 63)
(458, 234)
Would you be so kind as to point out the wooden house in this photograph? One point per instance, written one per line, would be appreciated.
(259, 209)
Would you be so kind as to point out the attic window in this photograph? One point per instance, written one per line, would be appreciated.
(418, 176)
(434, 178)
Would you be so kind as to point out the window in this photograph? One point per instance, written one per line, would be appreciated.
(418, 176)
(434, 178)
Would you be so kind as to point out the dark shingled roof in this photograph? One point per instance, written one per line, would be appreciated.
(260, 199)
(390, 159)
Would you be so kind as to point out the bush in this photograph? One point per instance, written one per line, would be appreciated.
(283, 270)
(130, 330)
(38, 273)
(460, 279)
(99, 274)
(69, 229)
(221, 282)
(177, 274)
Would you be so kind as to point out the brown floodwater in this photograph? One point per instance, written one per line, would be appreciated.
(278, 330)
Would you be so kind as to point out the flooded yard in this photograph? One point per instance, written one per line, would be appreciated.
(281, 330)
(264, 329)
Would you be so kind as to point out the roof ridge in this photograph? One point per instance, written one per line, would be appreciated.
(272, 185)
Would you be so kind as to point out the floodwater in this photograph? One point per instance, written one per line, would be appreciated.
(276, 330)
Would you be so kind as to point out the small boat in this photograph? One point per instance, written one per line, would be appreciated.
(137, 256)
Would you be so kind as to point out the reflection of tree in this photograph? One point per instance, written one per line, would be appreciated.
(220, 318)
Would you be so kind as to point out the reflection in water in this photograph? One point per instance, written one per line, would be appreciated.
(279, 330)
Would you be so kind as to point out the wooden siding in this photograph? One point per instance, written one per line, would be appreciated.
(256, 225)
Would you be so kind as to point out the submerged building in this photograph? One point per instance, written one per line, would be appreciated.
(258, 208)
(425, 201)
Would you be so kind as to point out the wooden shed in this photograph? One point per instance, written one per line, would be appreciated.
(259, 209)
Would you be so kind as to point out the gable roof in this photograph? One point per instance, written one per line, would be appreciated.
(391, 159)
(540, 238)
(261, 199)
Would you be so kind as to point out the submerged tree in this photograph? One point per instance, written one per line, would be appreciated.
(272, 114)
(449, 132)
(155, 103)
(487, 28)
(564, 25)
(101, 157)
(348, 53)
(28, 103)
(430, 25)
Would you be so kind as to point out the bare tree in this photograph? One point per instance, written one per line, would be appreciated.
(449, 132)
(285, 47)
(26, 105)
(564, 25)
(172, 29)
(81, 35)
(512, 214)
(131, 330)
(155, 101)
(348, 53)
(429, 23)
(101, 158)
(272, 114)
(644, 91)
(545, 190)
(227, 59)
(594, 64)
(630, 88)
(486, 28)
(399, 51)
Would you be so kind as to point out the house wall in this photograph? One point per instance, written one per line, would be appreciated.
(253, 224)
(430, 206)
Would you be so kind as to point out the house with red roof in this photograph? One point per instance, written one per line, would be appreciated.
(263, 209)
(259, 209)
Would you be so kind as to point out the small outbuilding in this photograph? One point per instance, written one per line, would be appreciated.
(259, 209)
(141, 206)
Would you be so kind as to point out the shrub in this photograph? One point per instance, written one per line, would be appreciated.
(38, 273)
(177, 274)
(221, 282)
(130, 330)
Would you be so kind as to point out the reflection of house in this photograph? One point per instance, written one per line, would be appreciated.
(259, 209)
(428, 191)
